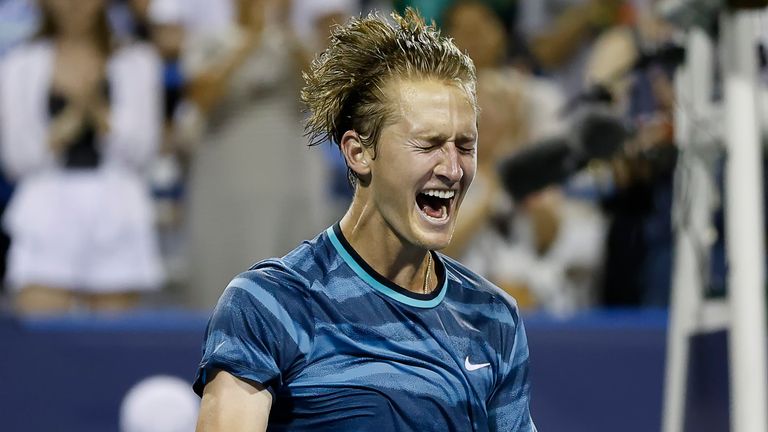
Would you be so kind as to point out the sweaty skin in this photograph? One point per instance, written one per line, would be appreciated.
(429, 145)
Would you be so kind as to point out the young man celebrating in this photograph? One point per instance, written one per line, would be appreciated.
(366, 327)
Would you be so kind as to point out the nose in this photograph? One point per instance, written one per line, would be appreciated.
(449, 168)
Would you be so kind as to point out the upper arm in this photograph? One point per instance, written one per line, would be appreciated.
(232, 404)
(260, 331)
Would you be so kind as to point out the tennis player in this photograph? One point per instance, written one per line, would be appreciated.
(366, 327)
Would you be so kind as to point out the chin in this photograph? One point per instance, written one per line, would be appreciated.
(435, 240)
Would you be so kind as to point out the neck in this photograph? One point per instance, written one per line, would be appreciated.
(77, 41)
(376, 242)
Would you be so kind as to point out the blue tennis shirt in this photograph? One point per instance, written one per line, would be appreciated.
(341, 348)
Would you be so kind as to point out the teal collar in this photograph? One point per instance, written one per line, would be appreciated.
(384, 285)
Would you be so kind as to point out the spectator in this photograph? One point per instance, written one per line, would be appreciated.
(80, 121)
(245, 81)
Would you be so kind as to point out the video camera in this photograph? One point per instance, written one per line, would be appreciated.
(595, 134)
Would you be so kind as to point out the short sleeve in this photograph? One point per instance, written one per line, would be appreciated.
(509, 406)
(261, 330)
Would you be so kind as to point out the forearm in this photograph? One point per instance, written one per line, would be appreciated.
(98, 113)
(65, 127)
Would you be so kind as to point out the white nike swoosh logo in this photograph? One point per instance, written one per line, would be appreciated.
(473, 367)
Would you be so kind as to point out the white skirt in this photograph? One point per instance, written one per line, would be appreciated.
(90, 231)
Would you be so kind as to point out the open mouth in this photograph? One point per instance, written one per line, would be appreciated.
(435, 203)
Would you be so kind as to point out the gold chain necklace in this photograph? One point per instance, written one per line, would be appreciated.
(428, 273)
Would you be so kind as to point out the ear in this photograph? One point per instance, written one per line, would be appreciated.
(355, 153)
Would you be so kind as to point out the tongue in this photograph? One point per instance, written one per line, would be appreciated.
(436, 213)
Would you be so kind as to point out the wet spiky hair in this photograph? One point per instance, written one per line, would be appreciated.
(345, 85)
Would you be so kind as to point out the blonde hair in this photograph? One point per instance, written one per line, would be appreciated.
(345, 85)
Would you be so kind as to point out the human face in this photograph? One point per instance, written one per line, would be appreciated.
(425, 161)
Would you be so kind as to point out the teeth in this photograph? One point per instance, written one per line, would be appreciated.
(445, 194)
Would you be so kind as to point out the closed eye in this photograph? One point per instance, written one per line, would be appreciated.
(426, 147)
(466, 145)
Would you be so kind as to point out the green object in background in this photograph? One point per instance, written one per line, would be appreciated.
(429, 9)
(434, 9)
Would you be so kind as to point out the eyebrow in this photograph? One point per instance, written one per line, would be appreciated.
(433, 138)
(466, 137)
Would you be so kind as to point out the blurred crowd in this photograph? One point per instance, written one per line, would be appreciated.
(153, 149)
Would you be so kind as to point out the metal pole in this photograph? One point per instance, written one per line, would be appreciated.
(744, 224)
(692, 212)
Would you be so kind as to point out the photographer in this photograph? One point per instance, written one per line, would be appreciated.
(638, 259)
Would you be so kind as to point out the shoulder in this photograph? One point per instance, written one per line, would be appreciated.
(27, 53)
(475, 289)
(135, 72)
(272, 278)
(290, 276)
(268, 296)
(25, 71)
(309, 261)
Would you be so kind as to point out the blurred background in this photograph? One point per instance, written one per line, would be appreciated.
(150, 150)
